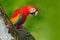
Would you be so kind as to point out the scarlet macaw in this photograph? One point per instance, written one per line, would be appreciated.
(19, 15)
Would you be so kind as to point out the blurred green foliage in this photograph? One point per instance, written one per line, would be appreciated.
(45, 25)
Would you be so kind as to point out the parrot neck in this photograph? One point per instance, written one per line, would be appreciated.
(24, 11)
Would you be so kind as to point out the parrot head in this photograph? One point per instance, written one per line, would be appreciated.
(33, 10)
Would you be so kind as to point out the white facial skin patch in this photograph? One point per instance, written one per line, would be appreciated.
(32, 10)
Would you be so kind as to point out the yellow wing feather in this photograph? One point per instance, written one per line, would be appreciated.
(14, 20)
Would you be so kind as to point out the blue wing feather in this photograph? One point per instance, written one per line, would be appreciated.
(19, 20)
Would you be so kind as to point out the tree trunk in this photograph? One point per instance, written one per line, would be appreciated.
(13, 31)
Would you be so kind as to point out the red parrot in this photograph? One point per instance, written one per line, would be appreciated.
(19, 16)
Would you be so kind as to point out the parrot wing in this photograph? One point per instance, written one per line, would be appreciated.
(17, 19)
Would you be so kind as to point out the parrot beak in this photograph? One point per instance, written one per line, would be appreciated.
(34, 13)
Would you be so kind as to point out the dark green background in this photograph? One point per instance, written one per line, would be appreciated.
(44, 26)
